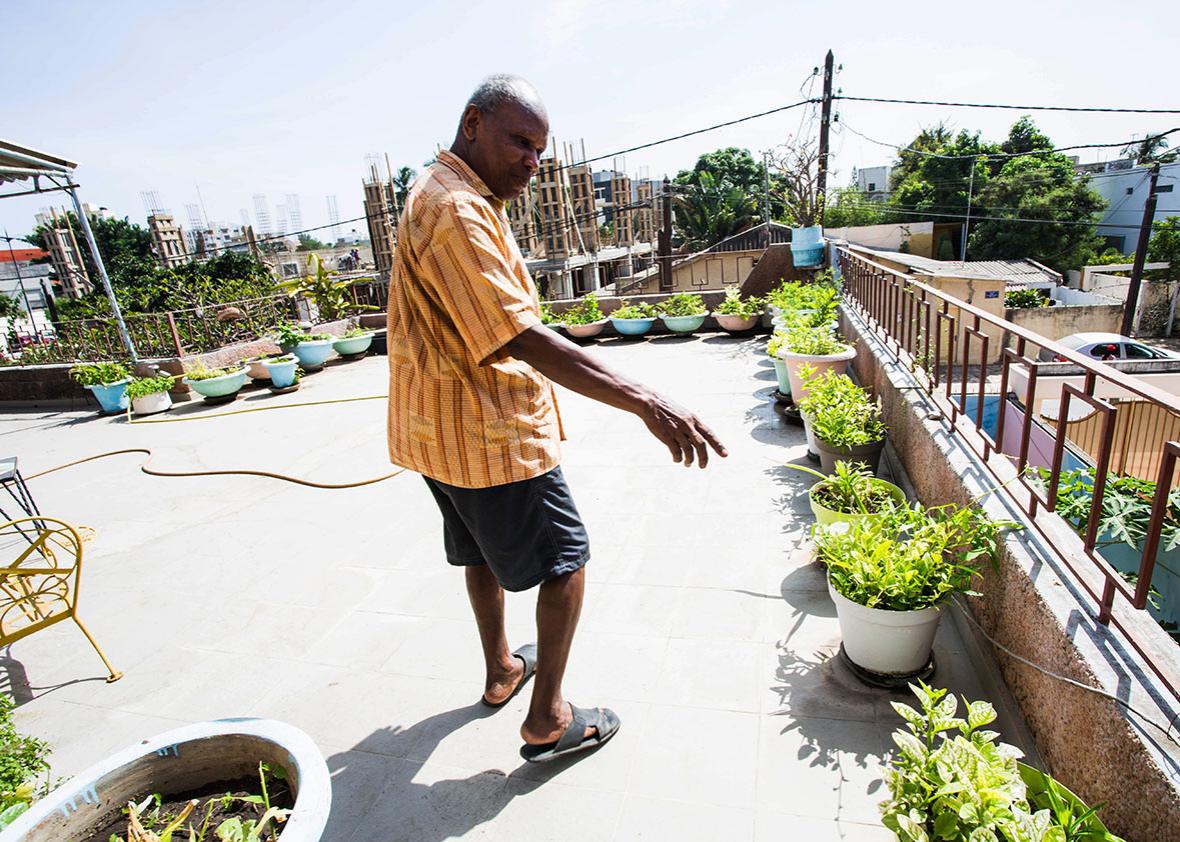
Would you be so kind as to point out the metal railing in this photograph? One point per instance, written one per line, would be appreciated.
(953, 350)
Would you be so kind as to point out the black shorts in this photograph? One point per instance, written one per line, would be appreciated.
(526, 532)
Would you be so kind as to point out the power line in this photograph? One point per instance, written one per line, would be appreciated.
(1011, 107)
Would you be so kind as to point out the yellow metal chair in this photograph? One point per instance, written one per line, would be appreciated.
(40, 588)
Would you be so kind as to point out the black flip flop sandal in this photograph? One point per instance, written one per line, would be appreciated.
(603, 720)
(528, 656)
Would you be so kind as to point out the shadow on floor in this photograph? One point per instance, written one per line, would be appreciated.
(14, 680)
(405, 809)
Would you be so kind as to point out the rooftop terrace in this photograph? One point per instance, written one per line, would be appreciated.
(707, 626)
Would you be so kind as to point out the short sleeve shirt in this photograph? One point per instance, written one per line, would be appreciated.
(461, 410)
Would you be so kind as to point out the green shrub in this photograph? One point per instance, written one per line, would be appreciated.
(642, 310)
(777, 339)
(198, 372)
(735, 305)
(813, 341)
(141, 387)
(548, 317)
(1024, 299)
(793, 295)
(840, 412)
(585, 312)
(683, 304)
(22, 761)
(98, 374)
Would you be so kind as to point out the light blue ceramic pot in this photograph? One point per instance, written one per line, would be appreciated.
(683, 324)
(219, 387)
(784, 382)
(112, 397)
(353, 346)
(632, 327)
(282, 372)
(312, 353)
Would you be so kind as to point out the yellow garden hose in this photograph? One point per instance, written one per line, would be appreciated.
(145, 466)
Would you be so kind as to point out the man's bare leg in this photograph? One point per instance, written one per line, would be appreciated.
(559, 605)
(504, 671)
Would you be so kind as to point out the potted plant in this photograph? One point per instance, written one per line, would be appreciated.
(816, 300)
(633, 319)
(683, 312)
(150, 394)
(285, 780)
(549, 318)
(106, 381)
(890, 576)
(817, 347)
(287, 336)
(255, 368)
(736, 314)
(951, 779)
(353, 343)
(780, 367)
(284, 373)
(313, 350)
(849, 493)
(24, 774)
(215, 383)
(585, 319)
(843, 422)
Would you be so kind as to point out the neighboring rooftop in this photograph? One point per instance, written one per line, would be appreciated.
(1018, 272)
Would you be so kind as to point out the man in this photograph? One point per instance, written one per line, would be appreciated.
(472, 406)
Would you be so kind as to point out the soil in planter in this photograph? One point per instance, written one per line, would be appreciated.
(875, 500)
(279, 792)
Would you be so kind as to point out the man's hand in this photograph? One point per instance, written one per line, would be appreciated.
(682, 433)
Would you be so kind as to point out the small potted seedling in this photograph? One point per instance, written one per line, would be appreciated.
(149, 395)
(850, 493)
(284, 373)
(842, 421)
(106, 381)
(633, 319)
(584, 319)
(738, 315)
(817, 347)
(353, 343)
(683, 312)
(215, 384)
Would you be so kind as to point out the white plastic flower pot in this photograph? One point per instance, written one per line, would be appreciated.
(186, 758)
(151, 404)
(889, 643)
(836, 363)
(585, 331)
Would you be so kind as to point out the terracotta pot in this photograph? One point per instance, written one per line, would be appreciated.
(587, 330)
(736, 324)
(831, 362)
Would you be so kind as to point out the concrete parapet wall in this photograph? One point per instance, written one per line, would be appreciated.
(1033, 605)
(1058, 322)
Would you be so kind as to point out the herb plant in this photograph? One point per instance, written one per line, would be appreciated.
(141, 387)
(642, 310)
(98, 374)
(735, 305)
(548, 317)
(775, 344)
(813, 341)
(355, 333)
(199, 372)
(683, 304)
(790, 296)
(967, 785)
(851, 490)
(288, 334)
(317, 337)
(910, 558)
(585, 312)
(840, 412)
(1024, 299)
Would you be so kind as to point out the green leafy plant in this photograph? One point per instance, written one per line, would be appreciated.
(1024, 299)
(98, 374)
(852, 489)
(683, 304)
(22, 762)
(288, 334)
(734, 305)
(141, 387)
(354, 333)
(840, 412)
(585, 312)
(322, 286)
(791, 296)
(317, 337)
(910, 558)
(951, 779)
(813, 341)
(198, 371)
(626, 310)
(777, 340)
(548, 317)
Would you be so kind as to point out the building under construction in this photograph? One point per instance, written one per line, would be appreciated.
(167, 240)
(65, 255)
(381, 216)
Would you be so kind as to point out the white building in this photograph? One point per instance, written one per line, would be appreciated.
(217, 238)
(1124, 186)
(873, 182)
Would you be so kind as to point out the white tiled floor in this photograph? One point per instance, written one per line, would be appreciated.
(706, 626)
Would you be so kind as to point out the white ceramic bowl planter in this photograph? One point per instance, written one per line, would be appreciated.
(151, 404)
(889, 643)
(585, 331)
(836, 363)
(183, 759)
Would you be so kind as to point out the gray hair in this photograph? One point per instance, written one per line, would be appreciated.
(506, 89)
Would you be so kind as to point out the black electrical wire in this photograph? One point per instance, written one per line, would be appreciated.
(1088, 109)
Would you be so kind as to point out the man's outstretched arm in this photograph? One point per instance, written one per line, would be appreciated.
(685, 435)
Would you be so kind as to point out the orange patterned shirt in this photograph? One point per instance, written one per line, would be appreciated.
(461, 410)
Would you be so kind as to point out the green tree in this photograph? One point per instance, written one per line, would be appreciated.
(711, 209)
(309, 243)
(403, 177)
(120, 241)
(934, 173)
(848, 206)
(1165, 243)
(730, 166)
(9, 307)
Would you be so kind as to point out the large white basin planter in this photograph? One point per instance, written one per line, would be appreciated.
(151, 404)
(183, 759)
(888, 643)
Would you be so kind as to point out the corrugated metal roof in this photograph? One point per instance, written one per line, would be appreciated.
(1018, 271)
(18, 163)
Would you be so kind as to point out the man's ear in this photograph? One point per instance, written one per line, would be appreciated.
(469, 125)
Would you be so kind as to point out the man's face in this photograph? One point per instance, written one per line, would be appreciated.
(506, 146)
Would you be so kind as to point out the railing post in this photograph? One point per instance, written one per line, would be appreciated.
(175, 336)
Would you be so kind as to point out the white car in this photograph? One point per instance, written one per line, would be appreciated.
(1106, 347)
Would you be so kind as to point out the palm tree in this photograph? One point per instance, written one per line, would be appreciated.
(710, 210)
(1150, 150)
(402, 178)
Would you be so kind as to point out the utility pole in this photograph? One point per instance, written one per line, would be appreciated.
(967, 221)
(1140, 253)
(825, 123)
(665, 238)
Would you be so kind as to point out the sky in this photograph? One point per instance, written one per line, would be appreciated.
(289, 97)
